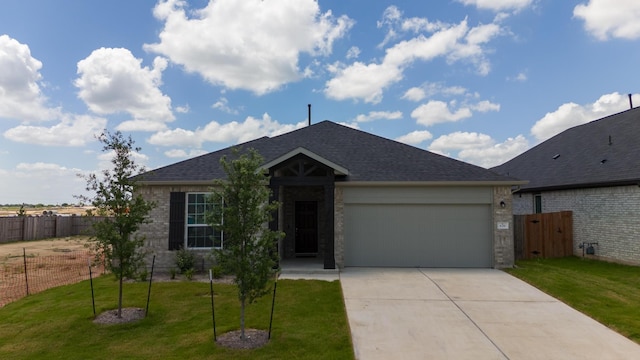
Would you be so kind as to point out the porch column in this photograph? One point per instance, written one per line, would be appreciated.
(275, 195)
(329, 256)
(274, 223)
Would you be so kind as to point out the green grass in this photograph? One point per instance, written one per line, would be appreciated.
(608, 292)
(309, 323)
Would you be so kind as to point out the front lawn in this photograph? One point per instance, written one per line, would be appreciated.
(309, 323)
(609, 293)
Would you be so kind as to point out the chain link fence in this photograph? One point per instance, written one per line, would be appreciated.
(29, 274)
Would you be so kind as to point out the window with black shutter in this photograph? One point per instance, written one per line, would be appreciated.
(176, 220)
(187, 223)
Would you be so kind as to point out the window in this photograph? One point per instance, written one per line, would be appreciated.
(198, 233)
(537, 203)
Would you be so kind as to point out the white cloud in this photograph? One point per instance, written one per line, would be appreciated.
(362, 81)
(141, 125)
(40, 182)
(20, 95)
(459, 141)
(610, 18)
(353, 52)
(432, 89)
(367, 82)
(252, 45)
(113, 80)
(223, 105)
(379, 115)
(183, 154)
(71, 131)
(415, 137)
(571, 114)
(485, 106)
(472, 49)
(521, 77)
(435, 112)
(183, 109)
(479, 149)
(396, 25)
(233, 132)
(497, 154)
(414, 94)
(105, 159)
(498, 5)
(353, 125)
(390, 17)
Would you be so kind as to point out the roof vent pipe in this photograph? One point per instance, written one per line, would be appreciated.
(309, 105)
(630, 102)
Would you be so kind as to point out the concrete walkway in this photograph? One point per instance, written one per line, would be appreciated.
(468, 314)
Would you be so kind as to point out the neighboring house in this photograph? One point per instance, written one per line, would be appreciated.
(592, 170)
(348, 198)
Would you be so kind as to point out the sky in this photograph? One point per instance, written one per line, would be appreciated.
(476, 80)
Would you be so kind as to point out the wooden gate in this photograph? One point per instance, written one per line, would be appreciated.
(546, 235)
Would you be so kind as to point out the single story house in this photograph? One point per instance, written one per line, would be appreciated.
(592, 170)
(348, 198)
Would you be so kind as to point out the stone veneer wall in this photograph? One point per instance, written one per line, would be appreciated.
(503, 245)
(606, 215)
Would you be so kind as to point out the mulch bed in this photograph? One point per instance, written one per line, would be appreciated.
(254, 339)
(128, 315)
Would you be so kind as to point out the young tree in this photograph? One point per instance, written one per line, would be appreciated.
(125, 210)
(249, 245)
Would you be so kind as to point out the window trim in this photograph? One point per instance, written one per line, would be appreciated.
(188, 225)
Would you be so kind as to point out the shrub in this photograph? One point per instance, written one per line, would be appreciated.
(189, 273)
(143, 274)
(217, 271)
(173, 272)
(185, 260)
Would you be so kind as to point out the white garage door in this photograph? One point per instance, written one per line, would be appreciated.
(418, 235)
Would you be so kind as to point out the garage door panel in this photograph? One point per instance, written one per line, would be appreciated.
(418, 235)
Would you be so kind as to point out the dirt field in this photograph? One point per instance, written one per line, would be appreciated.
(42, 247)
(34, 211)
(48, 263)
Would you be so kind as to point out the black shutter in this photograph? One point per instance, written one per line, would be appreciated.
(176, 220)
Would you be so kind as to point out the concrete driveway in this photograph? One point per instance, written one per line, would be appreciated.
(468, 314)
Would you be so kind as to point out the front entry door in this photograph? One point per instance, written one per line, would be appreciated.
(306, 227)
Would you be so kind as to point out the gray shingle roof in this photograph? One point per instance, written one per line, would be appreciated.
(604, 152)
(367, 157)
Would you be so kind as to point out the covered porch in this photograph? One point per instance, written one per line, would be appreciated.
(304, 185)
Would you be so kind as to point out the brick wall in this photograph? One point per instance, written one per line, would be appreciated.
(608, 216)
(523, 204)
(157, 232)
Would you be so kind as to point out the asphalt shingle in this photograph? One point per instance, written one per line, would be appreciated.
(367, 157)
(600, 153)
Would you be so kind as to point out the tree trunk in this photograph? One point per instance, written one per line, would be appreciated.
(120, 298)
(242, 336)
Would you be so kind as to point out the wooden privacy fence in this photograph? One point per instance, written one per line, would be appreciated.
(546, 235)
(19, 228)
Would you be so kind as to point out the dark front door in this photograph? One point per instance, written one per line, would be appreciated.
(306, 227)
